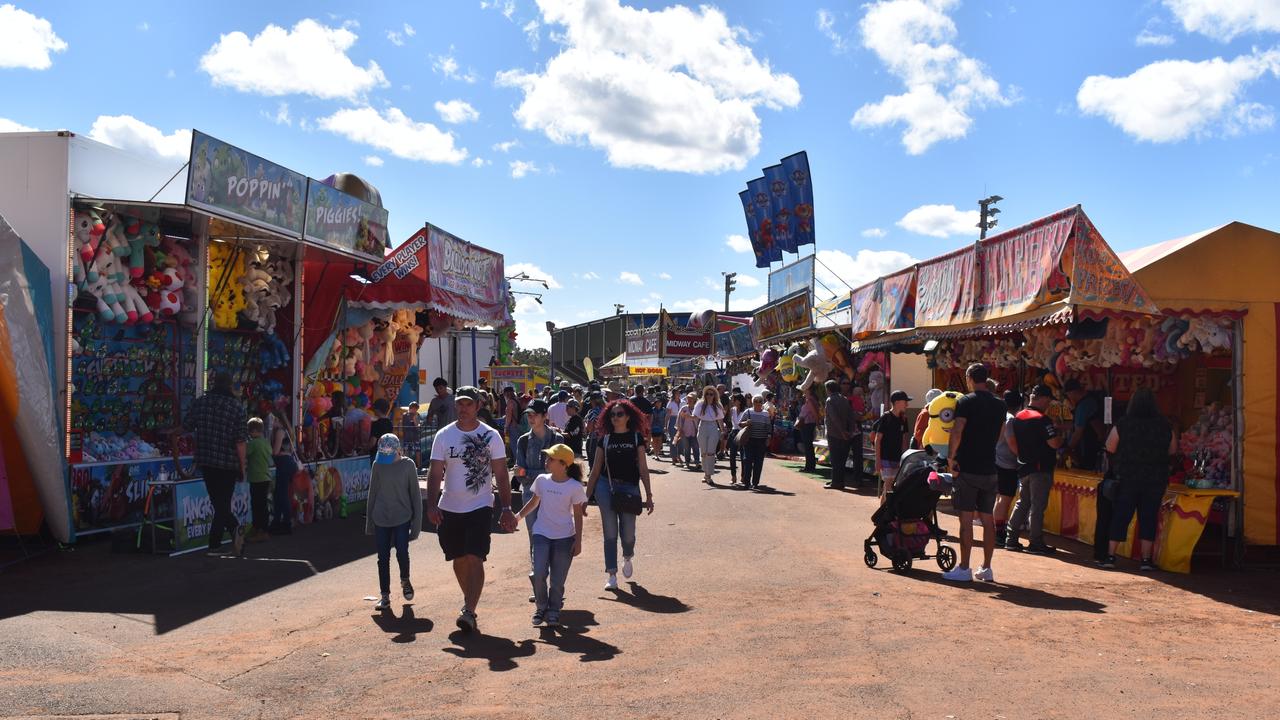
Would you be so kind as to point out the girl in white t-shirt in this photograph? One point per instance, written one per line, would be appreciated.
(709, 414)
(560, 500)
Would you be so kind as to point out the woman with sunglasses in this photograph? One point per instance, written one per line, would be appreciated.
(709, 414)
(620, 458)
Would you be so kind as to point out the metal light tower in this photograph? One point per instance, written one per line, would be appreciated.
(988, 215)
(729, 285)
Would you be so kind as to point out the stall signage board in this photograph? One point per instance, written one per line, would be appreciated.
(785, 317)
(643, 344)
(1023, 270)
(646, 370)
(945, 292)
(193, 513)
(791, 279)
(685, 343)
(463, 269)
(236, 184)
(112, 495)
(1099, 278)
(510, 373)
(735, 342)
(347, 223)
(887, 303)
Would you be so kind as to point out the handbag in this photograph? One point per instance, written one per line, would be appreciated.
(621, 502)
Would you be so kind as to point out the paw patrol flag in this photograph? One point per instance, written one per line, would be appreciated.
(780, 210)
(764, 245)
(800, 187)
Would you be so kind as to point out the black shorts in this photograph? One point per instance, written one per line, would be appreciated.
(465, 533)
(974, 493)
(1006, 482)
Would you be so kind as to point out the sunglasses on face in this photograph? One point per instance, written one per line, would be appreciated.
(618, 414)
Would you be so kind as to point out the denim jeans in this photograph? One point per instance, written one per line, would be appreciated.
(526, 494)
(688, 448)
(733, 456)
(282, 503)
(551, 561)
(708, 441)
(805, 433)
(1028, 512)
(384, 538)
(753, 466)
(615, 524)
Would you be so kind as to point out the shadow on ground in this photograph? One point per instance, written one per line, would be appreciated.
(642, 599)
(404, 629)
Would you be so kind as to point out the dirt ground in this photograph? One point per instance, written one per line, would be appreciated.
(743, 605)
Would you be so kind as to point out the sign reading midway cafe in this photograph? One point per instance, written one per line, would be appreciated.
(665, 342)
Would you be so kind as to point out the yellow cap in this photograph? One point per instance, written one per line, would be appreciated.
(560, 452)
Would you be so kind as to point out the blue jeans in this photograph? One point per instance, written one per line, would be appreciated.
(689, 448)
(615, 524)
(526, 494)
(281, 502)
(384, 538)
(551, 561)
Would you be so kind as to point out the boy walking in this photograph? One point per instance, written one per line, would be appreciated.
(394, 514)
(259, 471)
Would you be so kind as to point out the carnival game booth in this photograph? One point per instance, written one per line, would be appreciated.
(1051, 302)
(163, 273)
(1221, 282)
(365, 324)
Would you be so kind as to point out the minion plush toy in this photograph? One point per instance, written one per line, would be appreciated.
(942, 417)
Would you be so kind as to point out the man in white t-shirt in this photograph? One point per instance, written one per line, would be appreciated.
(558, 413)
(466, 457)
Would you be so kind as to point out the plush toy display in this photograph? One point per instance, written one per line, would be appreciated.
(877, 390)
(1206, 449)
(787, 367)
(768, 363)
(942, 417)
(226, 268)
(816, 362)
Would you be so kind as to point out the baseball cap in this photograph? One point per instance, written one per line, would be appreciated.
(1042, 390)
(388, 446)
(899, 395)
(614, 387)
(469, 392)
(537, 406)
(931, 395)
(560, 452)
(572, 404)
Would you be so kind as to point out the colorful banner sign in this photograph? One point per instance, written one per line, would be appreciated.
(1023, 269)
(193, 513)
(763, 245)
(735, 342)
(749, 211)
(347, 223)
(780, 210)
(646, 370)
(510, 373)
(796, 168)
(437, 270)
(106, 496)
(1099, 278)
(945, 292)
(237, 184)
(780, 319)
(685, 343)
(644, 343)
(887, 303)
(790, 279)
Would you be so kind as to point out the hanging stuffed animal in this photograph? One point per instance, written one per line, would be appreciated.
(877, 388)
(837, 351)
(385, 333)
(226, 267)
(787, 367)
(408, 328)
(89, 229)
(819, 367)
(767, 363)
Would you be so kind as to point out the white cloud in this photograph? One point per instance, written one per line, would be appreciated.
(447, 65)
(397, 37)
(672, 89)
(874, 232)
(858, 270)
(1172, 100)
(532, 34)
(630, 278)
(506, 7)
(281, 115)
(533, 271)
(479, 162)
(747, 281)
(373, 161)
(528, 305)
(26, 40)
(129, 133)
(310, 59)
(664, 276)
(697, 305)
(940, 221)
(396, 133)
(9, 126)
(144, 26)
(455, 112)
(521, 168)
(504, 147)
(738, 243)
(1225, 19)
(913, 39)
(827, 26)
(589, 275)
(707, 281)
(1152, 37)
(655, 296)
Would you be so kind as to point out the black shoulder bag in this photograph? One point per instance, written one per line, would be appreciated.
(621, 502)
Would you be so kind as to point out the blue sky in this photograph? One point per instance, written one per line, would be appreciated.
(602, 145)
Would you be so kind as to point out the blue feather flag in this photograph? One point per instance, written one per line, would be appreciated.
(800, 189)
(780, 212)
(764, 245)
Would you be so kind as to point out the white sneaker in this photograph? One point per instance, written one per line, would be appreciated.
(960, 574)
(985, 575)
(626, 568)
(611, 583)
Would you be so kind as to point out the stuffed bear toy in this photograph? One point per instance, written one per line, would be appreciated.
(224, 274)
(89, 229)
(408, 328)
(816, 362)
(767, 363)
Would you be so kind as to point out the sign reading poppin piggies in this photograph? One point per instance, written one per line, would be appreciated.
(342, 221)
(236, 184)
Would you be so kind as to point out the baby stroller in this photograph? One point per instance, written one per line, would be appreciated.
(908, 520)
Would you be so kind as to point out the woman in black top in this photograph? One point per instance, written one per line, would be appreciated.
(620, 457)
(1141, 443)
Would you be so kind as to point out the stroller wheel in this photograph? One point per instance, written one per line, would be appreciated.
(870, 558)
(946, 557)
(902, 563)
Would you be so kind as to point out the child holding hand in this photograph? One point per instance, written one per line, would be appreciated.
(560, 500)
